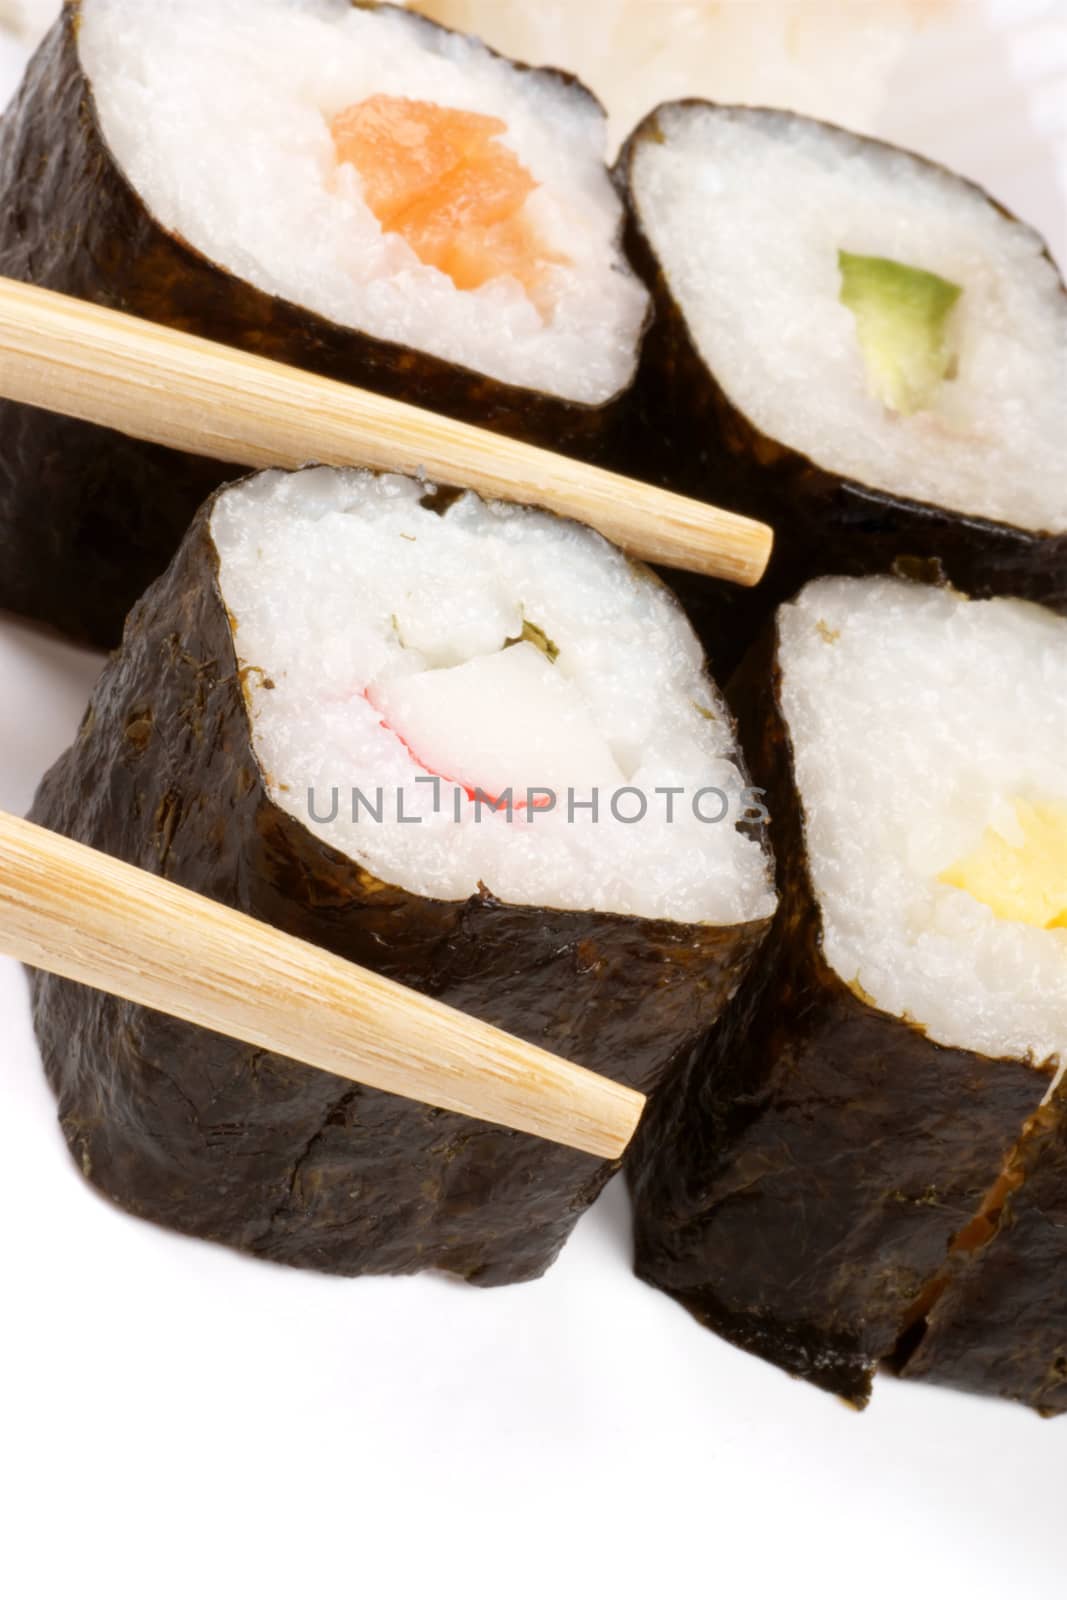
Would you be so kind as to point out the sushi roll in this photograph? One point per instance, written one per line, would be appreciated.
(853, 344)
(820, 1166)
(349, 189)
(468, 745)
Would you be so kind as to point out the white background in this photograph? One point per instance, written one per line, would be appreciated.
(176, 1420)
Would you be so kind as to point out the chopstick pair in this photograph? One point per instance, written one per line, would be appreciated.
(74, 911)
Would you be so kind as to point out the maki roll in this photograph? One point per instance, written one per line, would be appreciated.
(820, 1167)
(854, 344)
(350, 189)
(468, 745)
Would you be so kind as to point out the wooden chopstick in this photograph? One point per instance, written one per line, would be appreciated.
(170, 388)
(84, 915)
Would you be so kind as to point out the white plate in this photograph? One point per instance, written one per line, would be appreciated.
(177, 1420)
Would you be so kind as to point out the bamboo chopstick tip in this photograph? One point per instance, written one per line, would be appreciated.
(749, 566)
(631, 1110)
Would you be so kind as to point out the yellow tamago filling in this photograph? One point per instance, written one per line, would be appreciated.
(1021, 882)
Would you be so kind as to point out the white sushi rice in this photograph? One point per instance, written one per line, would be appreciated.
(219, 113)
(748, 213)
(376, 633)
(918, 718)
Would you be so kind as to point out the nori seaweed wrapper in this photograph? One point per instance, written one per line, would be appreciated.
(689, 436)
(998, 1322)
(800, 1186)
(90, 517)
(214, 1138)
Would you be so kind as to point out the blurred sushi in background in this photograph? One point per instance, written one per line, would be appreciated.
(831, 61)
(28, 20)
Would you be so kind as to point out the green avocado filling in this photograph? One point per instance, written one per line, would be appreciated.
(902, 318)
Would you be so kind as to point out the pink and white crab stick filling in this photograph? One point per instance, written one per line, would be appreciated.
(472, 695)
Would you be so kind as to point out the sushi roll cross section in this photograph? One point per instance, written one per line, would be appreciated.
(854, 344)
(844, 1176)
(347, 188)
(468, 745)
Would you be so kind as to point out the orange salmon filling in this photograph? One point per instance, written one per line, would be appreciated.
(443, 181)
